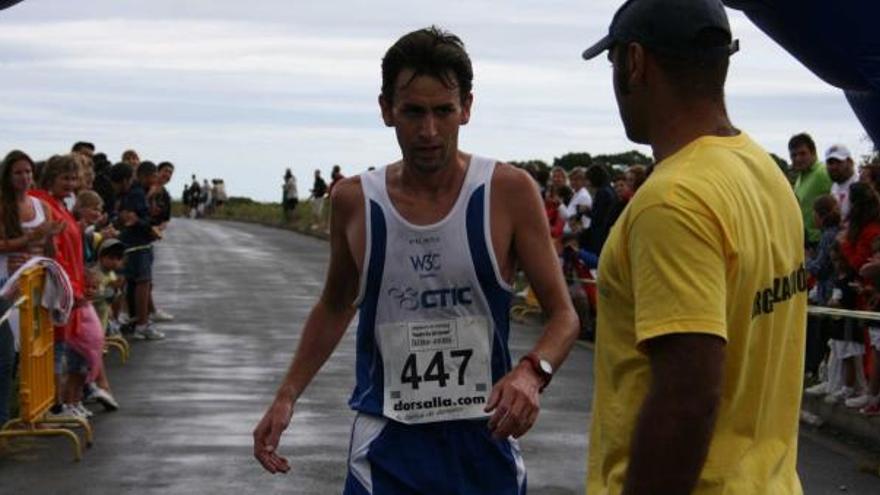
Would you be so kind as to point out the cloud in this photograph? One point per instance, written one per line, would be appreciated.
(243, 90)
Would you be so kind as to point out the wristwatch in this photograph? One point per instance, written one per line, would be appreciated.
(541, 367)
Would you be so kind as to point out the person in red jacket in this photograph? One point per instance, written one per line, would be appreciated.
(58, 180)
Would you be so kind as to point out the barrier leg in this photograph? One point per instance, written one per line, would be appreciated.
(73, 423)
(33, 432)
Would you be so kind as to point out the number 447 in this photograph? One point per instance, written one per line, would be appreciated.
(436, 371)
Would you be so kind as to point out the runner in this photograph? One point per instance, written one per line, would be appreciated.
(702, 288)
(434, 239)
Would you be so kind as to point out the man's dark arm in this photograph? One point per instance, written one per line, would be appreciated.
(676, 421)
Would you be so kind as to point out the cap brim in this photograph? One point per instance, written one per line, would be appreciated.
(600, 46)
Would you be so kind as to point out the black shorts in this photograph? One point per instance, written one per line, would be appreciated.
(139, 265)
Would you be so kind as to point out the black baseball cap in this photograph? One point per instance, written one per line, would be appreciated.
(669, 25)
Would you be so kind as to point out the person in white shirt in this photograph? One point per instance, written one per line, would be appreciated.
(580, 203)
(839, 163)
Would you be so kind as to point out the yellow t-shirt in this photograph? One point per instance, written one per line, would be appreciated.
(712, 243)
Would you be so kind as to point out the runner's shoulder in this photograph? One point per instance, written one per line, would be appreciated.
(512, 183)
(348, 194)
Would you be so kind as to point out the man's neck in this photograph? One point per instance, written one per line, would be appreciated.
(436, 182)
(676, 129)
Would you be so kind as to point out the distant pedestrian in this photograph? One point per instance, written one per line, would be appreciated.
(289, 196)
(319, 190)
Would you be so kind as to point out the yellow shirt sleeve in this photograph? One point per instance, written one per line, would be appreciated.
(677, 263)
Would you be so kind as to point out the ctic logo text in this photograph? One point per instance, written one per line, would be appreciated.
(426, 265)
(439, 298)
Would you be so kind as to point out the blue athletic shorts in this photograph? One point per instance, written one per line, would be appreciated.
(445, 458)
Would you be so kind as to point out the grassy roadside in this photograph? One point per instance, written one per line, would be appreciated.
(303, 219)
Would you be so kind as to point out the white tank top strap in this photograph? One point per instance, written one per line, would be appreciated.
(39, 216)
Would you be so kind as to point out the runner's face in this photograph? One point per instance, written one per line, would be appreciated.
(426, 116)
(22, 176)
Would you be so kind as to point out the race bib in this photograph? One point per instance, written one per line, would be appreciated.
(436, 370)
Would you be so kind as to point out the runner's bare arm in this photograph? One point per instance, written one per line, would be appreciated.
(515, 397)
(324, 327)
(678, 414)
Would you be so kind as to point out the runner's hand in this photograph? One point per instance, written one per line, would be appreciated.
(515, 403)
(267, 434)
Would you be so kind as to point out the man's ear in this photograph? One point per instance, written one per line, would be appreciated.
(387, 111)
(635, 65)
(466, 108)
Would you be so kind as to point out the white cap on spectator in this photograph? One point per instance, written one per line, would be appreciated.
(838, 152)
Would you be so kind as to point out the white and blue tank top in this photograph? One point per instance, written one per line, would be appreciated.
(433, 321)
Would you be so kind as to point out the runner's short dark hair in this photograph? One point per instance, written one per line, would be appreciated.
(802, 139)
(428, 52)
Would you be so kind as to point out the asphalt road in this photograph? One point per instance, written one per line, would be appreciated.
(189, 403)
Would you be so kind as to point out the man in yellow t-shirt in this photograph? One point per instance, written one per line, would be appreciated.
(702, 289)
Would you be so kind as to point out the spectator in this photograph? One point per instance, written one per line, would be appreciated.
(839, 164)
(83, 148)
(576, 265)
(558, 177)
(102, 184)
(604, 204)
(57, 182)
(827, 218)
(635, 177)
(218, 195)
(319, 189)
(89, 210)
(579, 207)
(812, 180)
(25, 229)
(120, 176)
(205, 198)
(131, 158)
(869, 402)
(160, 198)
(137, 233)
(847, 339)
(335, 177)
(8, 362)
(289, 196)
(863, 227)
(195, 195)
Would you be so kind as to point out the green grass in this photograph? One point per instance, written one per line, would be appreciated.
(271, 214)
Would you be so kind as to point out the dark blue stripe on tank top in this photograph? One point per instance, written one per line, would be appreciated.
(497, 296)
(368, 393)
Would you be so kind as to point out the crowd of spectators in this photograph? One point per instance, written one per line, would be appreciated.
(98, 221)
(841, 211)
(202, 200)
(581, 206)
(318, 196)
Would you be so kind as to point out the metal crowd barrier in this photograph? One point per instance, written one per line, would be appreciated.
(37, 371)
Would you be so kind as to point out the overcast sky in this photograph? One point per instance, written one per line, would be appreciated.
(242, 90)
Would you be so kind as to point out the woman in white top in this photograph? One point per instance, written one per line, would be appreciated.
(26, 229)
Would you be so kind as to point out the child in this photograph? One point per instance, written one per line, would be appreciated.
(89, 211)
(869, 402)
(826, 216)
(847, 336)
(108, 285)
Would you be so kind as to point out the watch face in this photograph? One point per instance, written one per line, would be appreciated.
(546, 367)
